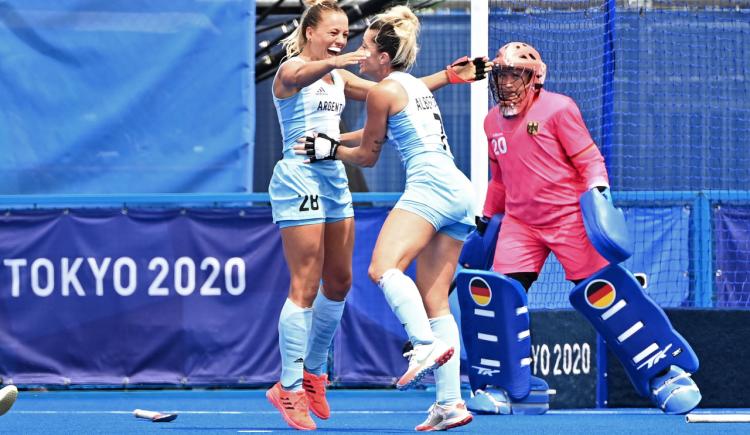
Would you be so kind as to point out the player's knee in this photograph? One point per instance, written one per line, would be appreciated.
(337, 285)
(302, 291)
(378, 268)
(437, 308)
(374, 272)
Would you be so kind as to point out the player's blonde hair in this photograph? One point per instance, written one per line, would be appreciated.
(295, 42)
(397, 30)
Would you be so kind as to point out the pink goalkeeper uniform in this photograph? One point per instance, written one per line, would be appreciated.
(541, 163)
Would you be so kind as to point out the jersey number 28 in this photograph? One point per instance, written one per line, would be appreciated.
(313, 203)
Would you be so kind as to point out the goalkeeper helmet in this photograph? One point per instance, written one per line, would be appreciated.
(517, 74)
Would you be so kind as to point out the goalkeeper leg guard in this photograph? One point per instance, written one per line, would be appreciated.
(639, 334)
(495, 329)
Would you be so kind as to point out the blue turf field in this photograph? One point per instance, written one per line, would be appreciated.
(354, 412)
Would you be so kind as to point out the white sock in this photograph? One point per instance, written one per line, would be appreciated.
(294, 323)
(326, 316)
(448, 376)
(404, 299)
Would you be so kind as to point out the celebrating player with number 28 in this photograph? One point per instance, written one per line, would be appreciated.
(550, 181)
(431, 219)
(312, 204)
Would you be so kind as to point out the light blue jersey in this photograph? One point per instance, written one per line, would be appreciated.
(435, 188)
(303, 193)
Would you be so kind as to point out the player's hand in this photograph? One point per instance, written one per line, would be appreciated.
(467, 70)
(481, 222)
(351, 58)
(319, 146)
(604, 190)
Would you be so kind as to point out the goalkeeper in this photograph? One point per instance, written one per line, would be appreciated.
(542, 160)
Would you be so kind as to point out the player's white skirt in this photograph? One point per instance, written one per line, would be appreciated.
(304, 193)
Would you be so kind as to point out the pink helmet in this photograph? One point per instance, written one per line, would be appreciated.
(520, 60)
(522, 55)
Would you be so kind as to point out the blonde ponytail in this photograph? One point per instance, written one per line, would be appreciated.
(397, 30)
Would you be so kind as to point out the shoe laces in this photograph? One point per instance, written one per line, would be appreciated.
(410, 354)
(436, 410)
(418, 353)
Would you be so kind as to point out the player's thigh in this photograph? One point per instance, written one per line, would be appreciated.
(303, 251)
(574, 250)
(436, 266)
(518, 249)
(403, 235)
(337, 263)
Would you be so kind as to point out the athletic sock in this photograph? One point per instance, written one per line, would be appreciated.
(448, 376)
(326, 316)
(404, 299)
(294, 323)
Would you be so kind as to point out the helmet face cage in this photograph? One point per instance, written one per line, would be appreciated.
(510, 85)
(520, 67)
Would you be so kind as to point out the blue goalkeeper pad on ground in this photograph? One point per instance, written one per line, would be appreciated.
(605, 227)
(634, 327)
(493, 400)
(495, 330)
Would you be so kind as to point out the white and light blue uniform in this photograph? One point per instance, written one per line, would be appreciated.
(302, 193)
(435, 188)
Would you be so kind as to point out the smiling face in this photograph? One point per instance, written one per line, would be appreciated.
(329, 37)
(372, 65)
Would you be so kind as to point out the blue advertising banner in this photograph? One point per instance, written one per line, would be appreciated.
(140, 296)
(126, 96)
(367, 347)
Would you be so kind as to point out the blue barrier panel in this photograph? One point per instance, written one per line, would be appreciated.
(126, 96)
(367, 346)
(732, 267)
(116, 288)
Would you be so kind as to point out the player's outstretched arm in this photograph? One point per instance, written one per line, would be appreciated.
(296, 75)
(356, 88)
(462, 70)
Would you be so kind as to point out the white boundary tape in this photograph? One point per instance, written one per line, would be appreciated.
(717, 418)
